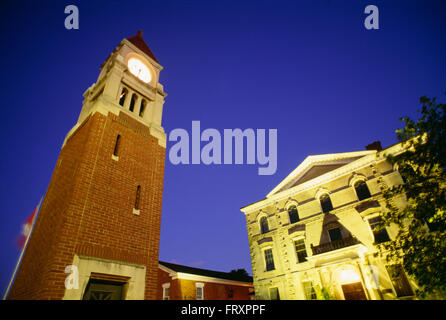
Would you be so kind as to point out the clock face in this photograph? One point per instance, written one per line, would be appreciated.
(139, 69)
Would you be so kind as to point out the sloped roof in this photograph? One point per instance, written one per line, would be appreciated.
(139, 42)
(317, 165)
(205, 272)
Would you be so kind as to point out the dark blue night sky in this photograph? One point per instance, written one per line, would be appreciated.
(309, 69)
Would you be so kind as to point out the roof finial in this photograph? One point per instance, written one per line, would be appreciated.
(139, 33)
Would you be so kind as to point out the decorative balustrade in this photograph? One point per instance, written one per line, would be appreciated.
(334, 245)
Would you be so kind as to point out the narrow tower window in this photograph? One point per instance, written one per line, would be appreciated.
(115, 151)
(132, 102)
(123, 96)
(142, 108)
(137, 198)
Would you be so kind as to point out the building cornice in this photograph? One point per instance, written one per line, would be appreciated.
(370, 157)
(310, 161)
(194, 277)
(189, 276)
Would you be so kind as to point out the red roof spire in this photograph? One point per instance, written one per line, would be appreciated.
(139, 42)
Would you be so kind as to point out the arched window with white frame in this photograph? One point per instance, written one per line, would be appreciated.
(199, 291)
(361, 189)
(264, 228)
(293, 214)
(166, 291)
(326, 204)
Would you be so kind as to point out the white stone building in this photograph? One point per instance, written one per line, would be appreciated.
(314, 237)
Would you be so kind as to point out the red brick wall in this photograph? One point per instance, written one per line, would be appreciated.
(88, 207)
(175, 290)
(182, 289)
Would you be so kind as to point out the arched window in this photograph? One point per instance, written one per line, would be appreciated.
(326, 203)
(362, 191)
(142, 108)
(132, 102)
(264, 225)
(137, 198)
(116, 149)
(123, 96)
(293, 214)
(380, 233)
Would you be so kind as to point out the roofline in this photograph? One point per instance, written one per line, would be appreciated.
(193, 276)
(197, 277)
(311, 159)
(393, 149)
(248, 205)
(141, 52)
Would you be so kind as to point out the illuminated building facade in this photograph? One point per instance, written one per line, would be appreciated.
(314, 235)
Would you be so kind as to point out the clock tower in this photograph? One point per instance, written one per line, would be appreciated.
(97, 233)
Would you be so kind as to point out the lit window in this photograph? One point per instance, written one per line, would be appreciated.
(293, 214)
(269, 260)
(264, 225)
(362, 191)
(301, 251)
(326, 203)
(166, 291)
(199, 291)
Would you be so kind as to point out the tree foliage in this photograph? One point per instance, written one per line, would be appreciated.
(420, 245)
(239, 272)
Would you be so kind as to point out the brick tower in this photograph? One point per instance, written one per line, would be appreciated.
(98, 228)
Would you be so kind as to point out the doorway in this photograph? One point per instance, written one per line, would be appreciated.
(353, 291)
(104, 290)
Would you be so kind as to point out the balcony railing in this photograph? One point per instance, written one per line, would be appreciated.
(334, 245)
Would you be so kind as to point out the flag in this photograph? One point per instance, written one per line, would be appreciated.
(26, 229)
(22, 241)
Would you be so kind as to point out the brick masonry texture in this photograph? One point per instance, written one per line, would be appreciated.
(183, 289)
(88, 207)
